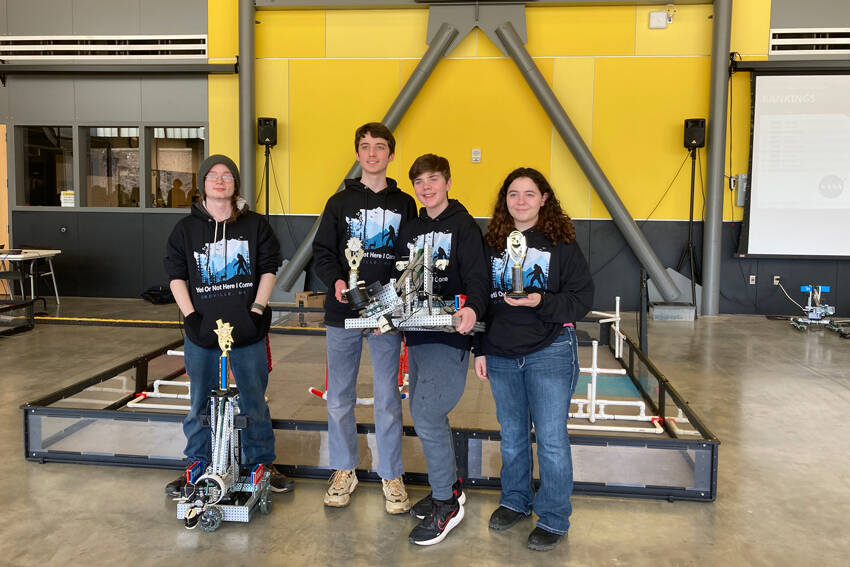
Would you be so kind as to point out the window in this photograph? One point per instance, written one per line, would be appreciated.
(176, 154)
(113, 167)
(48, 163)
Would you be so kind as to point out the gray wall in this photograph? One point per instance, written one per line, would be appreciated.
(810, 14)
(103, 17)
(105, 252)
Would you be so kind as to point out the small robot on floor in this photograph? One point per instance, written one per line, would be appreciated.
(221, 492)
(816, 314)
(408, 303)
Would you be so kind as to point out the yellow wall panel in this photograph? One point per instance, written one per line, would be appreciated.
(222, 28)
(689, 34)
(603, 30)
(328, 101)
(273, 100)
(750, 27)
(477, 103)
(290, 33)
(639, 108)
(485, 47)
(376, 33)
(573, 85)
(224, 115)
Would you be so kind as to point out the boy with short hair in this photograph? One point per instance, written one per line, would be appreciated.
(371, 209)
(438, 361)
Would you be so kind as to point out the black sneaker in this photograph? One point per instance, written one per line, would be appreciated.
(542, 540)
(444, 516)
(278, 482)
(423, 507)
(503, 518)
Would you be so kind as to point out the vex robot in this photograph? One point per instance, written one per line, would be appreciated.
(816, 314)
(220, 492)
(408, 303)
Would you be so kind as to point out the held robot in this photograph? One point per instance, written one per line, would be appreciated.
(407, 303)
(220, 492)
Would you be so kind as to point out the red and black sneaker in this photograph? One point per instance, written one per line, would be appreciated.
(444, 516)
(423, 507)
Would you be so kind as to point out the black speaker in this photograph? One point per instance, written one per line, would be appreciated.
(267, 131)
(695, 132)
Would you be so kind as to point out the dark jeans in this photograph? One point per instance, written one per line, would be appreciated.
(536, 389)
(250, 369)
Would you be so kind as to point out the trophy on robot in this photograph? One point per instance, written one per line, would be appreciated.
(517, 250)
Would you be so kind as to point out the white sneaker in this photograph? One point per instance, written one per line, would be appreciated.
(396, 496)
(340, 486)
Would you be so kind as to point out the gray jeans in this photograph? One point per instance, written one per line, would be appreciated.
(437, 380)
(344, 349)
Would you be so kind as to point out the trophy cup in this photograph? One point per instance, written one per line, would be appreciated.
(354, 254)
(356, 293)
(225, 342)
(516, 251)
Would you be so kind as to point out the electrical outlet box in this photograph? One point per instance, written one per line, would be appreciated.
(775, 279)
(476, 155)
(741, 189)
(752, 279)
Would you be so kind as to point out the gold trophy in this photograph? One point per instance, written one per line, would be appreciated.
(354, 254)
(516, 249)
(225, 342)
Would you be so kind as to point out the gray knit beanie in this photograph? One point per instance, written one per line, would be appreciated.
(210, 162)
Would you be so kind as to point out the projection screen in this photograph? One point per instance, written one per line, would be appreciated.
(799, 198)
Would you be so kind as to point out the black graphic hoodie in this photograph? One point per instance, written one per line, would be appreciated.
(374, 218)
(559, 273)
(455, 237)
(223, 262)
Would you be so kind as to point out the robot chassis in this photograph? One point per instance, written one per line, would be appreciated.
(818, 314)
(408, 303)
(220, 492)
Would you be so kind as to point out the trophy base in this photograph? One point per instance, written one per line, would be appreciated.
(516, 294)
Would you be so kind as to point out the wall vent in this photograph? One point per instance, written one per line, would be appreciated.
(57, 47)
(810, 41)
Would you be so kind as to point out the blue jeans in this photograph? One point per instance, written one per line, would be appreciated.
(344, 349)
(250, 369)
(437, 380)
(537, 388)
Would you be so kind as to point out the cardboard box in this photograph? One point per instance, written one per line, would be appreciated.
(310, 299)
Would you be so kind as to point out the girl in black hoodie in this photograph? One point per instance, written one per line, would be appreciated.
(529, 352)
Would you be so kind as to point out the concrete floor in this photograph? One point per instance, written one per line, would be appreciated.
(777, 398)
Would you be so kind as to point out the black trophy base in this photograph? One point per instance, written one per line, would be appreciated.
(516, 294)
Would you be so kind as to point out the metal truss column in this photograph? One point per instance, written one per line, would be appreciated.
(713, 221)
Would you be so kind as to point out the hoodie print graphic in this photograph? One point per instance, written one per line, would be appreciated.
(222, 261)
(441, 244)
(377, 231)
(535, 271)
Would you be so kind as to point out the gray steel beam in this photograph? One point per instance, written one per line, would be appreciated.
(247, 149)
(634, 237)
(405, 98)
(713, 221)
